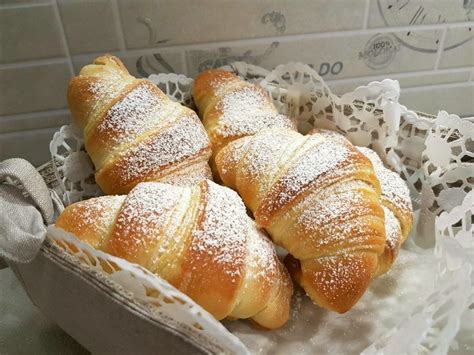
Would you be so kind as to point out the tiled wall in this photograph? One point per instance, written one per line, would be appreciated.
(425, 44)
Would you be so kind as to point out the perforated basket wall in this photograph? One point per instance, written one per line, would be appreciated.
(434, 156)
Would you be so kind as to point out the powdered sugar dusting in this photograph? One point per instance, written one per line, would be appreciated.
(261, 256)
(317, 162)
(139, 111)
(173, 242)
(246, 111)
(261, 160)
(104, 90)
(224, 232)
(98, 214)
(392, 230)
(97, 87)
(339, 275)
(333, 218)
(231, 155)
(185, 139)
(393, 187)
(146, 211)
(244, 108)
(190, 175)
(221, 79)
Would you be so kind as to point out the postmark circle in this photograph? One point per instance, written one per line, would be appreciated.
(380, 50)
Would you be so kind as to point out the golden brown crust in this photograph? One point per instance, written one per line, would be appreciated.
(91, 219)
(318, 197)
(334, 282)
(123, 119)
(198, 238)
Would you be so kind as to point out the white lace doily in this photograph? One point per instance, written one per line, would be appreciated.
(74, 169)
(422, 304)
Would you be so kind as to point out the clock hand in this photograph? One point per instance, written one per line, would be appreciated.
(416, 15)
(405, 4)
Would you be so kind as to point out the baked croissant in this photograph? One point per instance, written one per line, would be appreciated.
(133, 132)
(231, 108)
(198, 238)
(318, 198)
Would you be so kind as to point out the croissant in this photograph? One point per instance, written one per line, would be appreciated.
(317, 197)
(133, 132)
(198, 238)
(231, 108)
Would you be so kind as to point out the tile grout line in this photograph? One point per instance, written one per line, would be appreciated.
(441, 86)
(400, 75)
(63, 36)
(119, 25)
(471, 77)
(34, 62)
(35, 114)
(365, 24)
(22, 6)
(44, 129)
(440, 48)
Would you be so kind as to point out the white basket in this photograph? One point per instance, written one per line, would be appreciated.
(435, 158)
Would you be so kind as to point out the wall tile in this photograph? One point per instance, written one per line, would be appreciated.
(142, 64)
(417, 79)
(39, 120)
(422, 79)
(161, 61)
(33, 88)
(333, 57)
(458, 48)
(432, 99)
(23, 2)
(151, 22)
(97, 33)
(29, 33)
(36, 151)
(395, 13)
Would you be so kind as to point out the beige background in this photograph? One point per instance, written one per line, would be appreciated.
(45, 42)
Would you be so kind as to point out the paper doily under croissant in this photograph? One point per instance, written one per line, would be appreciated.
(424, 305)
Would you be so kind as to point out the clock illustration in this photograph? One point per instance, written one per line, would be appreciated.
(398, 13)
